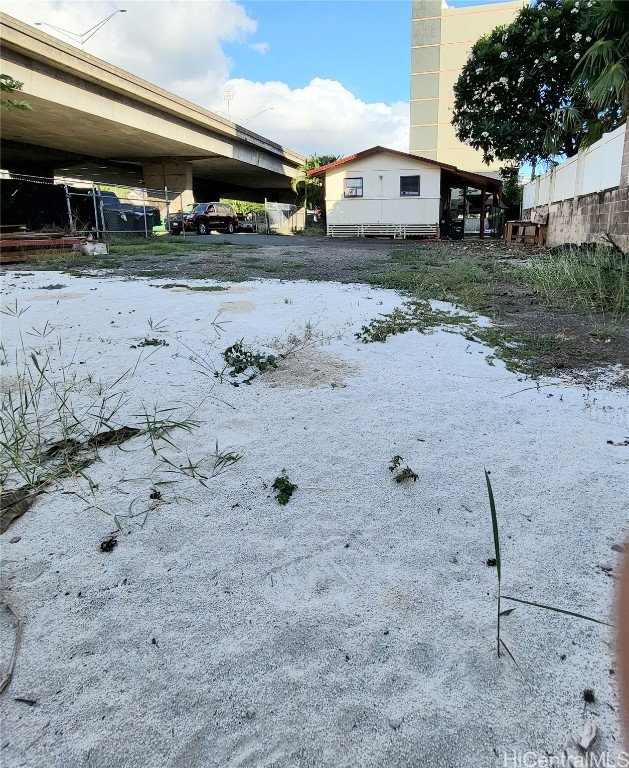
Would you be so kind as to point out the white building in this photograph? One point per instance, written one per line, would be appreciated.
(383, 191)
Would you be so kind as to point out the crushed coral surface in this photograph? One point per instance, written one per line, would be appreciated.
(354, 626)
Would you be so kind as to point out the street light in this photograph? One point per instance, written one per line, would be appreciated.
(85, 36)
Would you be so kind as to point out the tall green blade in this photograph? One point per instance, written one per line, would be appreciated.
(557, 610)
(512, 657)
(494, 522)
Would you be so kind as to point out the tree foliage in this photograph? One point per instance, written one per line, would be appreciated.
(312, 188)
(515, 99)
(243, 206)
(602, 74)
(10, 85)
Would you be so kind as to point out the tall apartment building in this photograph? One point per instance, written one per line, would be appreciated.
(441, 41)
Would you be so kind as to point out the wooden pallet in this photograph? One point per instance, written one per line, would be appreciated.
(16, 248)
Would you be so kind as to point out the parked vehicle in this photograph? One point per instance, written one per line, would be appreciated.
(174, 219)
(207, 216)
(247, 222)
(123, 216)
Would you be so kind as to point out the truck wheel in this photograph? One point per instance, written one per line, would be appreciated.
(230, 227)
(201, 228)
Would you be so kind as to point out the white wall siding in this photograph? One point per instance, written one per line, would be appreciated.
(529, 194)
(381, 202)
(565, 179)
(602, 163)
(595, 169)
(543, 190)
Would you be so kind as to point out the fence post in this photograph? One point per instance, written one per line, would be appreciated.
(102, 210)
(95, 210)
(167, 210)
(69, 205)
(146, 229)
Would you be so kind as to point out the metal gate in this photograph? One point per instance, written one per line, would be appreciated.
(284, 219)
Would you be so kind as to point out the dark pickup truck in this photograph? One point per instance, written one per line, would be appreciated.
(128, 217)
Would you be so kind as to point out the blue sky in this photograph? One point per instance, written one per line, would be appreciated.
(319, 39)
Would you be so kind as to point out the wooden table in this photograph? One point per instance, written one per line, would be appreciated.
(525, 232)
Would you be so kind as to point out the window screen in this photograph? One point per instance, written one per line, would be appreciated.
(409, 185)
(354, 187)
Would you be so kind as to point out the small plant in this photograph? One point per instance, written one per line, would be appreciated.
(498, 563)
(157, 325)
(413, 315)
(284, 488)
(146, 342)
(404, 474)
(243, 360)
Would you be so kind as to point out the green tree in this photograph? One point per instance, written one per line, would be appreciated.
(243, 206)
(312, 188)
(518, 82)
(9, 85)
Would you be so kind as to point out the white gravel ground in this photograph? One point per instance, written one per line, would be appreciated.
(354, 626)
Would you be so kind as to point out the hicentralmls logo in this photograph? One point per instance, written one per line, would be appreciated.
(537, 760)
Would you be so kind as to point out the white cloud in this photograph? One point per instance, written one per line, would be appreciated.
(260, 47)
(159, 41)
(178, 45)
(322, 117)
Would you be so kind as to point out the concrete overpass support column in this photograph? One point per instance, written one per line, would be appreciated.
(176, 176)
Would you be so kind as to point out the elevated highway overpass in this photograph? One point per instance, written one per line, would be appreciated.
(93, 120)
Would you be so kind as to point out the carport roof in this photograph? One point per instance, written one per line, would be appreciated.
(477, 179)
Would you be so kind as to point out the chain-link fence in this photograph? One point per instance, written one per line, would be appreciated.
(284, 219)
(78, 207)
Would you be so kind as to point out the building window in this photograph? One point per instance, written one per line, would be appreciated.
(409, 186)
(353, 187)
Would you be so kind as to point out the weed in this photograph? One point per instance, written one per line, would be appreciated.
(415, 314)
(201, 288)
(157, 326)
(153, 273)
(311, 336)
(594, 281)
(221, 461)
(527, 352)
(54, 423)
(522, 351)
(498, 562)
(284, 488)
(53, 287)
(227, 278)
(146, 342)
(251, 260)
(437, 274)
(404, 474)
(243, 360)
(288, 301)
